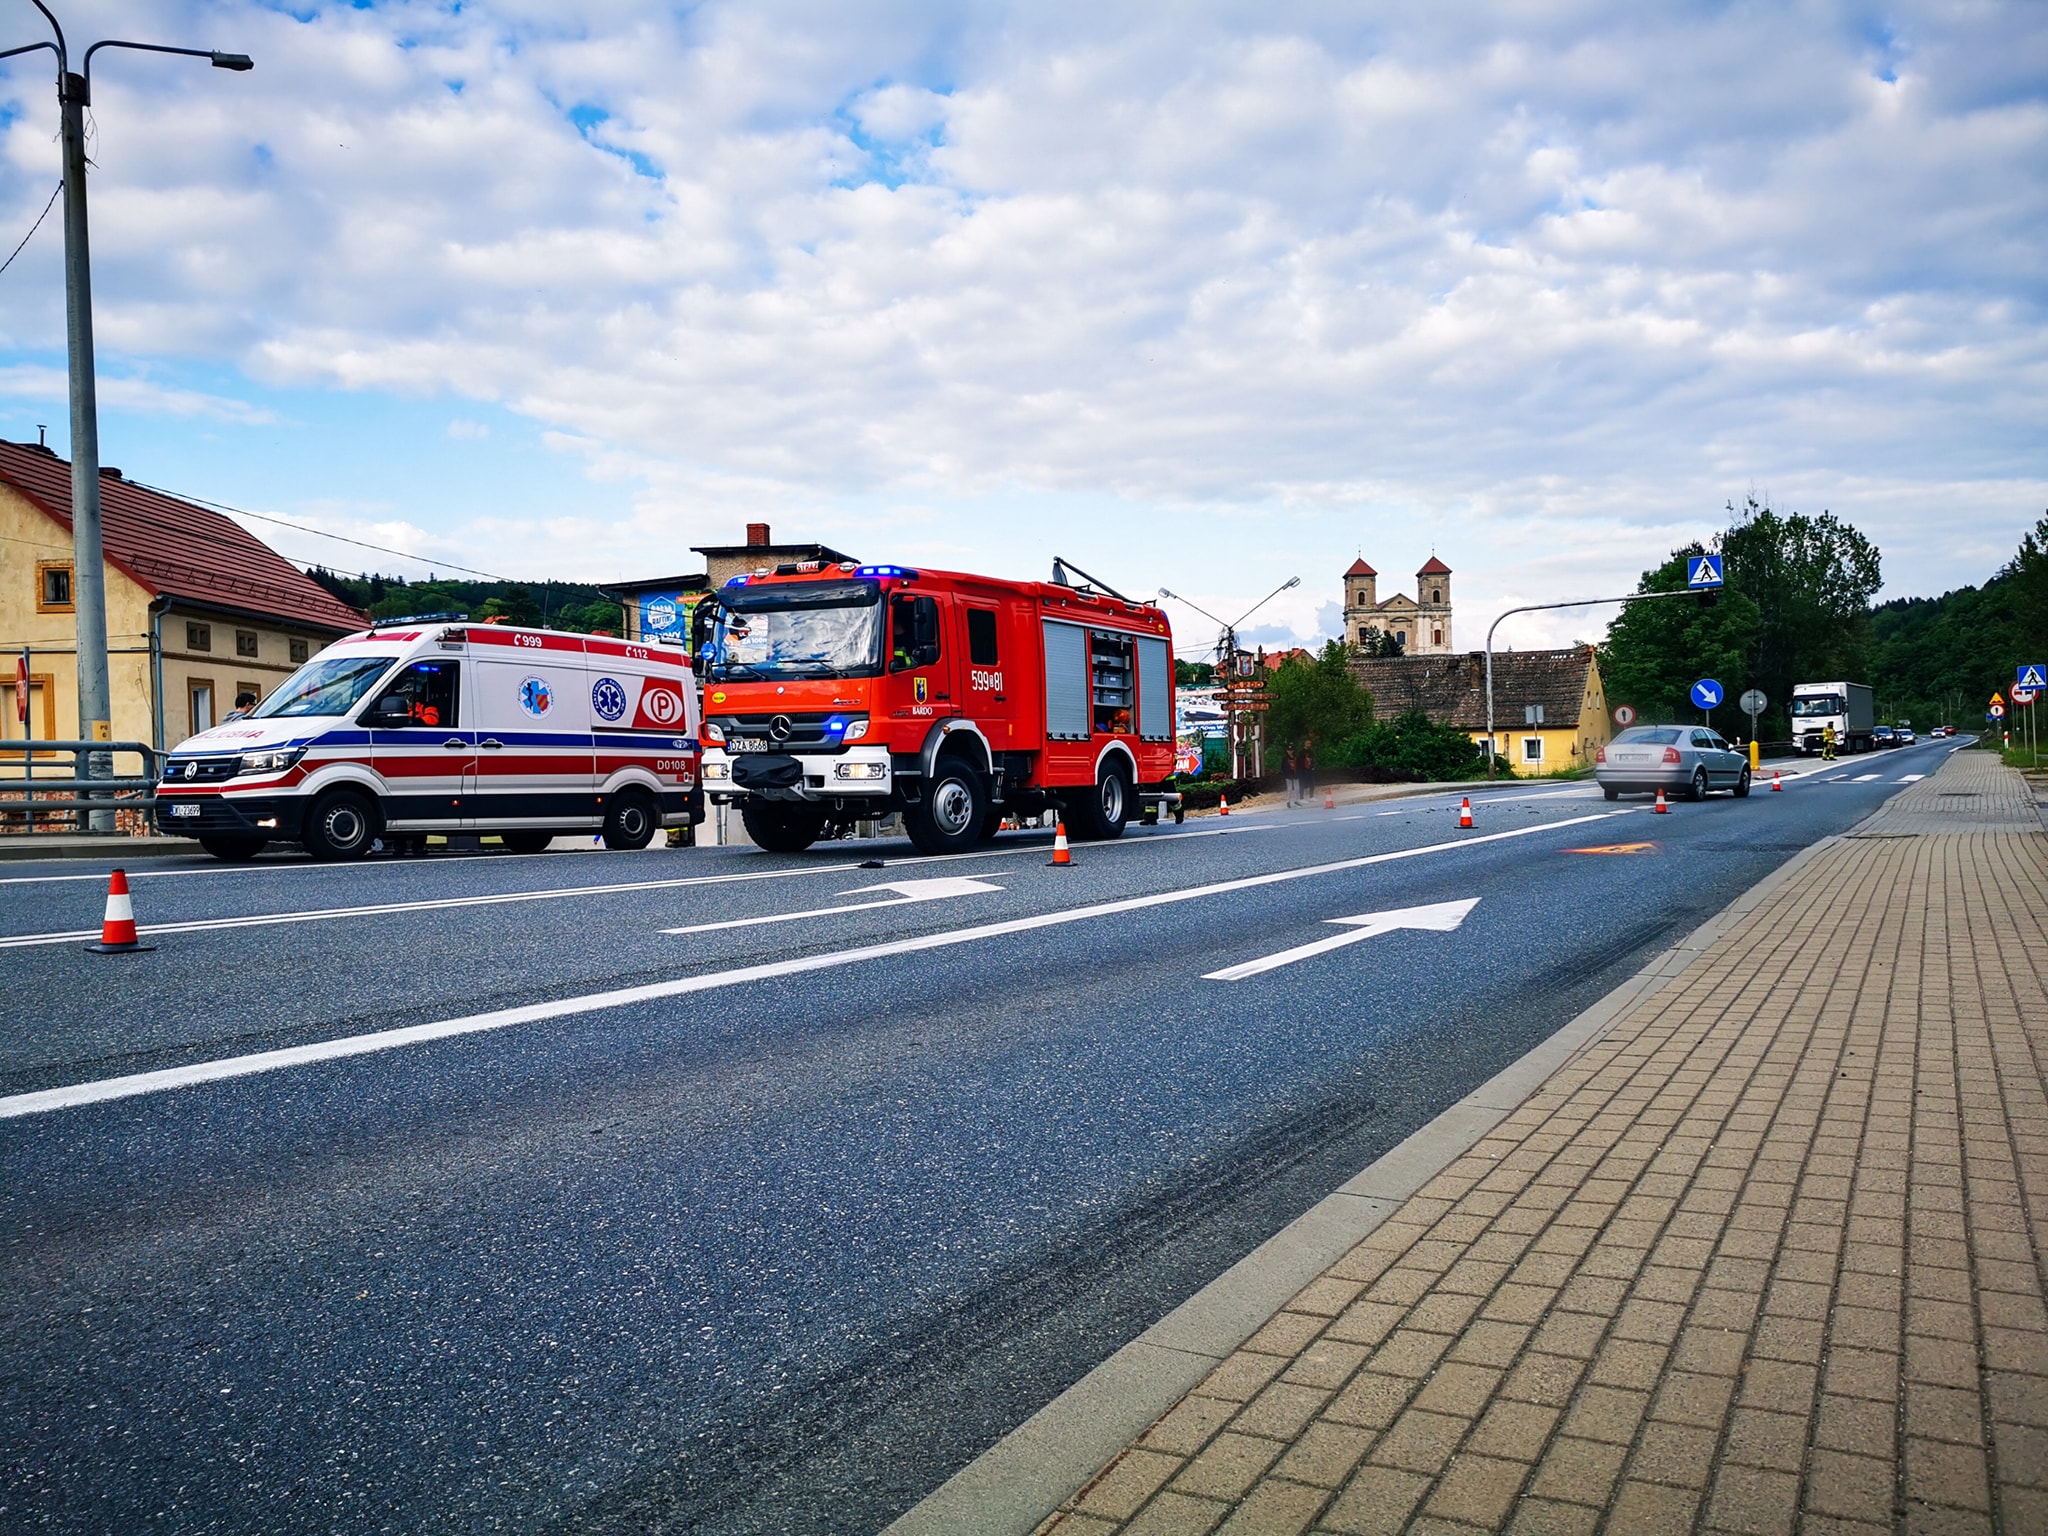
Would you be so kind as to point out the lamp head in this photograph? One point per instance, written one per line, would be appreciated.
(1292, 581)
(240, 63)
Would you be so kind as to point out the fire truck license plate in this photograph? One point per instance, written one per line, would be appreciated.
(747, 743)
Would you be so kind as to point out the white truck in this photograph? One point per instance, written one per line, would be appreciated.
(1848, 707)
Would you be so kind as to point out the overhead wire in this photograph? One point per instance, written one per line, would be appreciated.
(4, 265)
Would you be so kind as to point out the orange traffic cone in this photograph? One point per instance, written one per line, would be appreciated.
(1465, 812)
(1777, 784)
(1660, 807)
(117, 929)
(1223, 805)
(1329, 799)
(1061, 858)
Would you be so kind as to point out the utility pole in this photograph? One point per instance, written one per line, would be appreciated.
(88, 559)
(1237, 704)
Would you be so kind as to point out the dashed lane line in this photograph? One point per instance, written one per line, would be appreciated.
(75, 1095)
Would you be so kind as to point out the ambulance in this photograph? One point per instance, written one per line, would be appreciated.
(437, 724)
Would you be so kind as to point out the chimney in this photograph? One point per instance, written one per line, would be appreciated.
(757, 535)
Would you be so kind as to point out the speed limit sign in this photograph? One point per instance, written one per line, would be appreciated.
(1623, 715)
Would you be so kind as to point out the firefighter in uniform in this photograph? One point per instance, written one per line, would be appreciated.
(1827, 742)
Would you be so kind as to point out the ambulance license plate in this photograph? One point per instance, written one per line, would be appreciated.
(746, 743)
(184, 810)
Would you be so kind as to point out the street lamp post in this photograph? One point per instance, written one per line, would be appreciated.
(88, 566)
(1589, 602)
(1226, 657)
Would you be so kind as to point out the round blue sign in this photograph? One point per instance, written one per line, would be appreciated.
(608, 698)
(1706, 693)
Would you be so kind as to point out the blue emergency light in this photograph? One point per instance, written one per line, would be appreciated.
(886, 570)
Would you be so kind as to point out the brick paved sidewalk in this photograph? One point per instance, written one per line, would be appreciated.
(1766, 1257)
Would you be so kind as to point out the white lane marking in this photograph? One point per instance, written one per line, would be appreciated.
(1865, 778)
(48, 1099)
(1912, 778)
(1437, 917)
(908, 892)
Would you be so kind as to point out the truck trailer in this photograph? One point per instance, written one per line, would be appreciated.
(836, 693)
(1849, 707)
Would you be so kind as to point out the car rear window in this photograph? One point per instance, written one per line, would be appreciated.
(1651, 735)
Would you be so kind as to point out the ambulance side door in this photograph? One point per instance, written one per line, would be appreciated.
(534, 757)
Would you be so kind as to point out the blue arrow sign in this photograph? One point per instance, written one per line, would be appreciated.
(1702, 571)
(1706, 693)
(2035, 677)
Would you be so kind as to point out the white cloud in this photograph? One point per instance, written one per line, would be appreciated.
(1545, 286)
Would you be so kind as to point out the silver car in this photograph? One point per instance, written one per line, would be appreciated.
(1684, 760)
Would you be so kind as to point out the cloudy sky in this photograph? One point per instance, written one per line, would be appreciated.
(1202, 295)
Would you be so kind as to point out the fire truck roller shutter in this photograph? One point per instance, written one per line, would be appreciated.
(1155, 673)
(1066, 681)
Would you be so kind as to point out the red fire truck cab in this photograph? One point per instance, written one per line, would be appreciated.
(834, 693)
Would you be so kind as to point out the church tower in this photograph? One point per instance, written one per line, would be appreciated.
(1433, 609)
(1361, 599)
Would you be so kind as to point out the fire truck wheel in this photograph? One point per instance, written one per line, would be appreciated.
(341, 825)
(949, 818)
(992, 823)
(235, 850)
(780, 827)
(526, 842)
(631, 823)
(1104, 814)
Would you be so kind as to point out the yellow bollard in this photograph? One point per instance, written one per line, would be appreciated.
(1756, 754)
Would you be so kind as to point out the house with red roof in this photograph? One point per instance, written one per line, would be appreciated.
(198, 609)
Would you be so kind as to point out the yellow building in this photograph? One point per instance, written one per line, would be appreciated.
(1549, 707)
(198, 610)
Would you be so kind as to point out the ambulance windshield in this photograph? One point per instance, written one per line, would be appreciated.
(812, 629)
(327, 685)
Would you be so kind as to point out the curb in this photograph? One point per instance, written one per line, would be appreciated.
(22, 850)
(1024, 1478)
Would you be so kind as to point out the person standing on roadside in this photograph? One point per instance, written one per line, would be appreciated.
(1308, 770)
(1827, 742)
(1290, 768)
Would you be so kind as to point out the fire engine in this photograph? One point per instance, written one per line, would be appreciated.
(836, 693)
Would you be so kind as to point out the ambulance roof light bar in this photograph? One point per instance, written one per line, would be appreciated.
(420, 618)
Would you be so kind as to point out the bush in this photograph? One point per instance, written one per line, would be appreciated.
(1415, 749)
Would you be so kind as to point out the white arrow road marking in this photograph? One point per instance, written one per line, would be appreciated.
(908, 891)
(1438, 917)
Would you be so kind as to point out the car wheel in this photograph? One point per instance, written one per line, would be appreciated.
(341, 825)
(780, 827)
(1105, 813)
(633, 820)
(1742, 786)
(1698, 791)
(526, 842)
(234, 850)
(950, 816)
(1610, 791)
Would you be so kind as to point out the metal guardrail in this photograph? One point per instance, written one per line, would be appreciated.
(41, 793)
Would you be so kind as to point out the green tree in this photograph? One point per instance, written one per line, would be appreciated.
(1376, 642)
(1656, 651)
(1315, 700)
(1812, 579)
(1412, 747)
(1193, 674)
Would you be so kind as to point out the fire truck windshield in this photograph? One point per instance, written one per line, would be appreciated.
(810, 630)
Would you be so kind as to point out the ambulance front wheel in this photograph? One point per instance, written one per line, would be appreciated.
(631, 823)
(949, 818)
(341, 825)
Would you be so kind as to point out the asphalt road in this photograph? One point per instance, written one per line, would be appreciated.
(765, 1226)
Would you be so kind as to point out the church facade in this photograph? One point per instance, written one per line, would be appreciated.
(1421, 624)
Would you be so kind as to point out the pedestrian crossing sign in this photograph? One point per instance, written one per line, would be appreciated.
(1702, 571)
(2035, 677)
